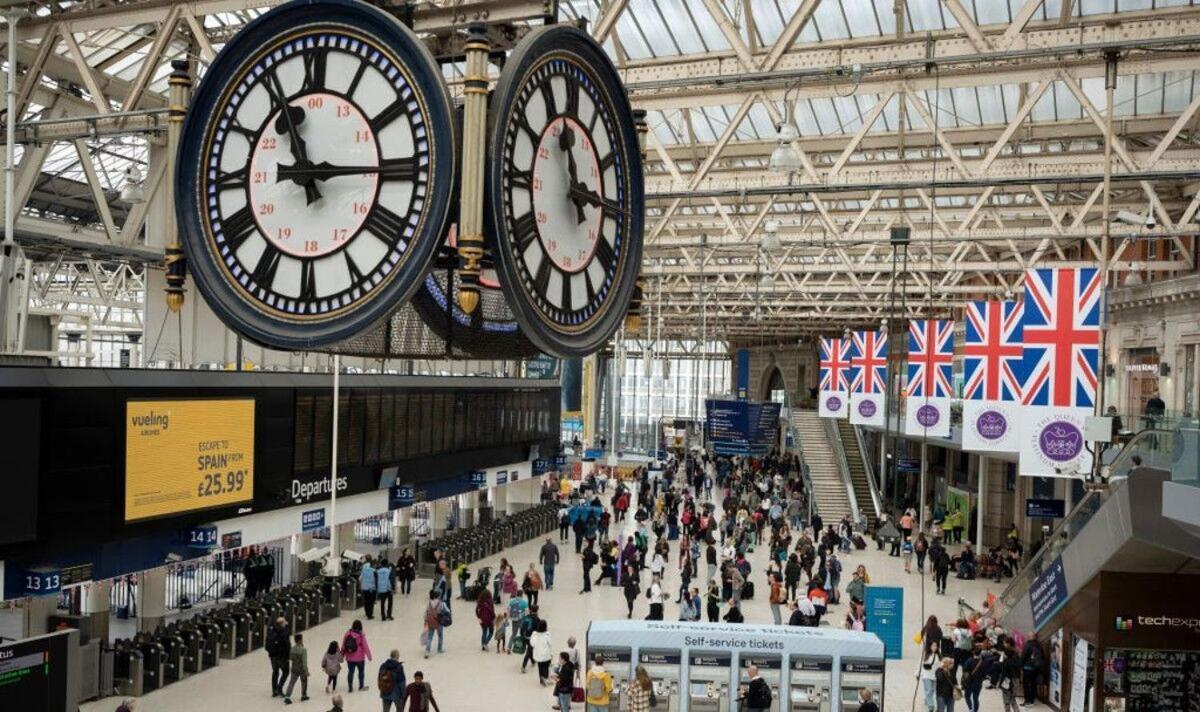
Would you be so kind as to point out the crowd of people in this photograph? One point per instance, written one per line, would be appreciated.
(693, 522)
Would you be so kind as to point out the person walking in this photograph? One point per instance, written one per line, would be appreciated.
(972, 679)
(641, 692)
(631, 586)
(712, 599)
(406, 571)
(656, 597)
(588, 558)
(532, 584)
(331, 663)
(597, 686)
(756, 695)
(485, 613)
(940, 562)
(564, 526)
(548, 558)
(920, 548)
(564, 683)
(383, 589)
(1010, 675)
(944, 685)
(541, 651)
(434, 622)
(710, 558)
(356, 652)
(278, 647)
(367, 584)
(930, 661)
(776, 599)
(391, 682)
(298, 660)
(418, 696)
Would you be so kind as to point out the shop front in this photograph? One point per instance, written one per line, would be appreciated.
(1141, 373)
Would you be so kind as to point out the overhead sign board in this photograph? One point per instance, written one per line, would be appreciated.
(187, 455)
(1045, 508)
(312, 520)
(1048, 593)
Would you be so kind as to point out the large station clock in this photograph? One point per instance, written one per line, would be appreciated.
(565, 190)
(315, 170)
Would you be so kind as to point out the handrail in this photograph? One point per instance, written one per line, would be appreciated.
(862, 453)
(805, 475)
(835, 441)
(1144, 448)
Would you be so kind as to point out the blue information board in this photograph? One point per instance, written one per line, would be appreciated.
(502, 477)
(885, 618)
(44, 581)
(742, 373)
(400, 496)
(1048, 593)
(202, 538)
(738, 427)
(478, 478)
(1045, 508)
(312, 520)
(540, 466)
(908, 464)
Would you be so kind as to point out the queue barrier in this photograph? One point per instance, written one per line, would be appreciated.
(465, 546)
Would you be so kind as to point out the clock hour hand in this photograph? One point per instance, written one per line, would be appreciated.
(566, 141)
(290, 118)
(580, 192)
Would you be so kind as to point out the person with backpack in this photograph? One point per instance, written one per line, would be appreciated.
(564, 682)
(278, 648)
(541, 651)
(419, 695)
(391, 682)
(756, 696)
(656, 597)
(384, 590)
(532, 585)
(437, 617)
(356, 652)
(298, 660)
(528, 626)
(366, 584)
(597, 686)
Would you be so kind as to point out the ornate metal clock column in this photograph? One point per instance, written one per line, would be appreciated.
(470, 220)
(179, 94)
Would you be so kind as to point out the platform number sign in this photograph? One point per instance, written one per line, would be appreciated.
(43, 582)
(202, 538)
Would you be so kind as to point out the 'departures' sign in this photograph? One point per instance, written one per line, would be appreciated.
(186, 455)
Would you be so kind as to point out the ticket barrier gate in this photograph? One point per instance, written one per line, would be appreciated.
(663, 668)
(129, 669)
(174, 655)
(708, 682)
(770, 669)
(257, 616)
(309, 600)
(350, 598)
(224, 622)
(154, 657)
(860, 674)
(188, 642)
(618, 663)
(810, 682)
(210, 632)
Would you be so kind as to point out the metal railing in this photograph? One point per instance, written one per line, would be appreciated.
(835, 443)
(374, 530)
(195, 582)
(1149, 448)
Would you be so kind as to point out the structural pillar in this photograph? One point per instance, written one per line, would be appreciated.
(345, 538)
(401, 519)
(300, 543)
(981, 505)
(96, 607)
(512, 499)
(152, 598)
(468, 504)
(499, 497)
(437, 523)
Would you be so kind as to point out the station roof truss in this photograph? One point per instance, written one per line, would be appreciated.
(979, 126)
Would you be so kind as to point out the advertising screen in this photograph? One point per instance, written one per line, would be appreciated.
(186, 455)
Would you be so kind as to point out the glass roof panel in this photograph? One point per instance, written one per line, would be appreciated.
(926, 16)
(1178, 90)
(829, 15)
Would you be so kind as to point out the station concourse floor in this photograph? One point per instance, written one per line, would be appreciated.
(464, 678)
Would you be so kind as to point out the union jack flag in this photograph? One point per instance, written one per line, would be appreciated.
(992, 351)
(868, 362)
(835, 364)
(1061, 327)
(930, 354)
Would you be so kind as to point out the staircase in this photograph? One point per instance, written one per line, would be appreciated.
(858, 471)
(829, 491)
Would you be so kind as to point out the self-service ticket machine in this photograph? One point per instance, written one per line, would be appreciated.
(708, 682)
(663, 668)
(619, 663)
(770, 669)
(859, 674)
(810, 682)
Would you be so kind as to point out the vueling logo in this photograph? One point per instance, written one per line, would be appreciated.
(152, 423)
(1123, 623)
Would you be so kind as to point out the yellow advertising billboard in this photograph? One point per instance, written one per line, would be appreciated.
(185, 455)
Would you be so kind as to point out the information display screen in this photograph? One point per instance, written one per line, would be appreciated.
(186, 455)
(33, 674)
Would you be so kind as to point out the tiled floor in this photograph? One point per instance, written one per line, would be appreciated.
(464, 678)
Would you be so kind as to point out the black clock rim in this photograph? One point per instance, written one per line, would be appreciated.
(559, 39)
(235, 310)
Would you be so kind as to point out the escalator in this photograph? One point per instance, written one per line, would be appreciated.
(859, 477)
(1120, 527)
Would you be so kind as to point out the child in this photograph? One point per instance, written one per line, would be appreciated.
(906, 550)
(501, 631)
(332, 665)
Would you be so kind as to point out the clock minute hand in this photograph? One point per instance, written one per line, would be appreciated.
(304, 172)
(566, 141)
(579, 191)
(297, 146)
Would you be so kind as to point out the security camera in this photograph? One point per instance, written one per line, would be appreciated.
(1129, 218)
(314, 554)
(352, 555)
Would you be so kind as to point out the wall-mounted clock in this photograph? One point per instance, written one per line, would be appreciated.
(314, 173)
(565, 190)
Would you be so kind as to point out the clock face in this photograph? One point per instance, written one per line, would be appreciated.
(315, 172)
(565, 186)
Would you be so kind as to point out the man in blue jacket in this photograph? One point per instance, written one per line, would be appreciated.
(366, 584)
(391, 681)
(383, 589)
